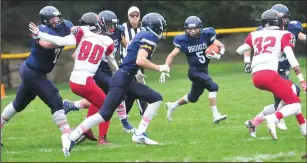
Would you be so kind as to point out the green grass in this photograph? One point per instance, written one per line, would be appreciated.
(191, 136)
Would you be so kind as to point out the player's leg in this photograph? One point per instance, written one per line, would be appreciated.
(117, 90)
(193, 96)
(283, 89)
(75, 105)
(154, 99)
(23, 97)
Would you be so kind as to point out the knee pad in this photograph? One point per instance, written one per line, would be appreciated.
(267, 110)
(59, 116)
(106, 114)
(213, 87)
(212, 94)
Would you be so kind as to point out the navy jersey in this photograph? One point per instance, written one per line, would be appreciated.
(145, 40)
(194, 48)
(295, 27)
(117, 38)
(41, 59)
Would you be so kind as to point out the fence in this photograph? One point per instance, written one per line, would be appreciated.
(21, 56)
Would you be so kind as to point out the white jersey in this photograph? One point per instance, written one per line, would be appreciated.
(268, 47)
(89, 53)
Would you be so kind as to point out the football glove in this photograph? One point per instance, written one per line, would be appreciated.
(247, 67)
(140, 77)
(34, 31)
(164, 68)
(162, 77)
(215, 56)
(304, 85)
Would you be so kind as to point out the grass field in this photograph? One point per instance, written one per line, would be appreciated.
(32, 136)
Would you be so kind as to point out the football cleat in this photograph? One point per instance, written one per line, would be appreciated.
(170, 111)
(271, 122)
(282, 125)
(69, 106)
(90, 135)
(126, 126)
(251, 128)
(303, 129)
(67, 144)
(142, 139)
(81, 139)
(219, 118)
(103, 140)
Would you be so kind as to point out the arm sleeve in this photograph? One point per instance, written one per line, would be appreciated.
(110, 49)
(148, 44)
(60, 41)
(287, 39)
(176, 42)
(248, 40)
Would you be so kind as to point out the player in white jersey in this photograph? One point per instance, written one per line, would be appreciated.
(269, 44)
(91, 48)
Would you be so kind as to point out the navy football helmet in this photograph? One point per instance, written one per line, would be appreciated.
(155, 23)
(272, 18)
(108, 21)
(91, 20)
(284, 10)
(192, 26)
(50, 16)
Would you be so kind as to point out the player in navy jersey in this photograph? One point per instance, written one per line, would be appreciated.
(295, 27)
(139, 52)
(194, 43)
(34, 70)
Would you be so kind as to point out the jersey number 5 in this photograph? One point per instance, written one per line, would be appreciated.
(201, 57)
(85, 50)
(263, 44)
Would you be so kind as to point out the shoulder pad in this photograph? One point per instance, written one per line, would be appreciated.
(259, 28)
(295, 24)
(68, 23)
(121, 28)
(149, 38)
(177, 40)
(210, 32)
(43, 28)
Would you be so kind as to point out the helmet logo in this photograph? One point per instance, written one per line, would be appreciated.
(57, 13)
(191, 25)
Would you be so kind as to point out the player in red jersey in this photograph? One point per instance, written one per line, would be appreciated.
(269, 44)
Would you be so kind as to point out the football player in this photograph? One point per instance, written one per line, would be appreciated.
(295, 27)
(34, 70)
(109, 27)
(139, 52)
(269, 44)
(91, 48)
(194, 43)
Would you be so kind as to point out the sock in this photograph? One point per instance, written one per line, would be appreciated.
(79, 104)
(288, 110)
(121, 111)
(258, 119)
(103, 128)
(214, 111)
(7, 113)
(147, 117)
(59, 118)
(300, 119)
(88, 123)
(92, 110)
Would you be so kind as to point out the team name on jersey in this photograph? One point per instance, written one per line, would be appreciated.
(198, 47)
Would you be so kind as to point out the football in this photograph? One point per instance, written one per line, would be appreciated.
(211, 48)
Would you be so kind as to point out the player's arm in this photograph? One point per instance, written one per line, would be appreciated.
(171, 56)
(73, 55)
(46, 44)
(302, 36)
(124, 41)
(247, 46)
(111, 59)
(142, 60)
(287, 45)
(221, 46)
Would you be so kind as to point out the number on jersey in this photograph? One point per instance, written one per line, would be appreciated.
(57, 52)
(86, 49)
(201, 57)
(262, 44)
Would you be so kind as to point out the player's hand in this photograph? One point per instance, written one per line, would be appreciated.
(34, 31)
(304, 85)
(164, 68)
(162, 77)
(215, 56)
(140, 77)
(247, 67)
